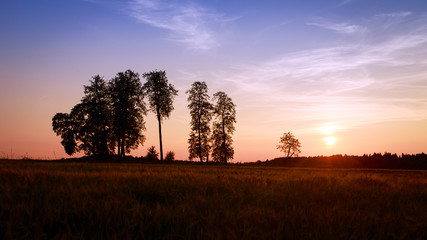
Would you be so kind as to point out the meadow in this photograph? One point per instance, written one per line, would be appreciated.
(63, 200)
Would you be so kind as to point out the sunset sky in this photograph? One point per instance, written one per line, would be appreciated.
(345, 77)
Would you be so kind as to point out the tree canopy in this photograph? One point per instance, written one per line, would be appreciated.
(223, 128)
(63, 126)
(201, 115)
(128, 107)
(289, 145)
(87, 127)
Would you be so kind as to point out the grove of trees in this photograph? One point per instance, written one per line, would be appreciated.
(110, 118)
(111, 114)
(202, 140)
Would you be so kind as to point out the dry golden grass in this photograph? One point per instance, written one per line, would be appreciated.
(41, 200)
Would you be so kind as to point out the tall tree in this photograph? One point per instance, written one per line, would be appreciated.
(289, 144)
(223, 127)
(160, 97)
(201, 115)
(128, 108)
(98, 120)
(88, 126)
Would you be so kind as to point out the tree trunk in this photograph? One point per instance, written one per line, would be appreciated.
(123, 146)
(160, 135)
(200, 143)
(224, 146)
(118, 147)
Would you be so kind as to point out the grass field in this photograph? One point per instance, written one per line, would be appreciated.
(44, 200)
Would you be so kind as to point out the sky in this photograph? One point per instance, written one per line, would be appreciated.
(344, 76)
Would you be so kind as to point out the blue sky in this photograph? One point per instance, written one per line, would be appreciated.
(354, 69)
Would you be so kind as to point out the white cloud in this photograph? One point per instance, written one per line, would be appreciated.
(188, 23)
(395, 14)
(343, 28)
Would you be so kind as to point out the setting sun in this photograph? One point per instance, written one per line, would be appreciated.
(330, 140)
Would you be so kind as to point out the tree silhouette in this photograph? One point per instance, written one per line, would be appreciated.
(96, 104)
(223, 127)
(63, 125)
(87, 127)
(201, 115)
(128, 108)
(152, 154)
(160, 97)
(289, 145)
(170, 156)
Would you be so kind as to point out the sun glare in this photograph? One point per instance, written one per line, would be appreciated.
(329, 129)
(330, 140)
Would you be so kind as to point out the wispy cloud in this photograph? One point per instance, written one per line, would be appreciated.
(395, 14)
(187, 23)
(345, 2)
(350, 85)
(404, 19)
(343, 28)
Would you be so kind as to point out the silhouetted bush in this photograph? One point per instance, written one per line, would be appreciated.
(170, 156)
(152, 154)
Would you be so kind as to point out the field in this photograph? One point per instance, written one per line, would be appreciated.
(44, 200)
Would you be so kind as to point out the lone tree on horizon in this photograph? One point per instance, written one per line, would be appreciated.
(160, 97)
(128, 106)
(201, 115)
(223, 128)
(289, 145)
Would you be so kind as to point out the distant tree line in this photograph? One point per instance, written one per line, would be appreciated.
(110, 118)
(375, 160)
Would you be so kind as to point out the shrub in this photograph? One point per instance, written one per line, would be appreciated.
(152, 154)
(170, 156)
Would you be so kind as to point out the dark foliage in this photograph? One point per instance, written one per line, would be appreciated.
(127, 100)
(152, 154)
(201, 111)
(108, 115)
(63, 125)
(170, 156)
(88, 126)
(223, 128)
